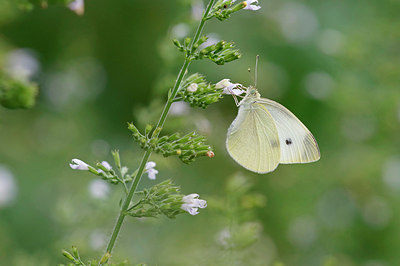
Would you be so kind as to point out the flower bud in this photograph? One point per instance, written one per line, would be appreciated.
(187, 41)
(210, 154)
(67, 255)
(192, 87)
(202, 40)
(148, 129)
(134, 130)
(75, 252)
(178, 44)
(238, 7)
(117, 159)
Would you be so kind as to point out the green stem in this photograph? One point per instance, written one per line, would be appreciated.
(160, 124)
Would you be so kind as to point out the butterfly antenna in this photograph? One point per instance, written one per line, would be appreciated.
(256, 71)
(249, 70)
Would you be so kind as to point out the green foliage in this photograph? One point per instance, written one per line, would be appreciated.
(17, 93)
(196, 91)
(223, 9)
(161, 199)
(220, 53)
(187, 147)
(76, 260)
(356, 125)
(31, 4)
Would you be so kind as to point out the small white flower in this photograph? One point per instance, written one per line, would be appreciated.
(151, 172)
(229, 87)
(79, 165)
(223, 83)
(192, 87)
(106, 165)
(191, 203)
(250, 6)
(78, 6)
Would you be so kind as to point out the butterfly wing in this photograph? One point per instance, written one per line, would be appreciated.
(252, 139)
(297, 144)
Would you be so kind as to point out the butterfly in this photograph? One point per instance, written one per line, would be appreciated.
(265, 134)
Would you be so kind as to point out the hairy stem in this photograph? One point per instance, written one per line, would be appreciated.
(160, 124)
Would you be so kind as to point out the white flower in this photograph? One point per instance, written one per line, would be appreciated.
(79, 165)
(191, 203)
(229, 87)
(151, 172)
(192, 87)
(78, 6)
(106, 165)
(250, 6)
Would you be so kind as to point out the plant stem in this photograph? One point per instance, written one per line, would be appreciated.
(160, 124)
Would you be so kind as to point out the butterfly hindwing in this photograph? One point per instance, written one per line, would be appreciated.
(297, 144)
(252, 139)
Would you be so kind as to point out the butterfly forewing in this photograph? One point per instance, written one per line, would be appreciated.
(297, 144)
(252, 139)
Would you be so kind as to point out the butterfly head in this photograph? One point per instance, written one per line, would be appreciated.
(252, 92)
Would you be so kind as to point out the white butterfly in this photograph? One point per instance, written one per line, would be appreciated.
(265, 134)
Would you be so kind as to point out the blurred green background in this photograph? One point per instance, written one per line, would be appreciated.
(335, 64)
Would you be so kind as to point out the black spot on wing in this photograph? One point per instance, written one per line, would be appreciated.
(289, 141)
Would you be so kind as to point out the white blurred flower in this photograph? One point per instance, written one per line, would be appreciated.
(203, 125)
(63, 88)
(191, 203)
(377, 213)
(78, 6)
(212, 39)
(21, 64)
(298, 23)
(97, 240)
(391, 173)
(358, 127)
(197, 9)
(302, 231)
(192, 87)
(319, 84)
(150, 170)
(99, 189)
(8, 187)
(229, 87)
(330, 41)
(179, 108)
(337, 209)
(250, 6)
(224, 238)
(180, 30)
(79, 165)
